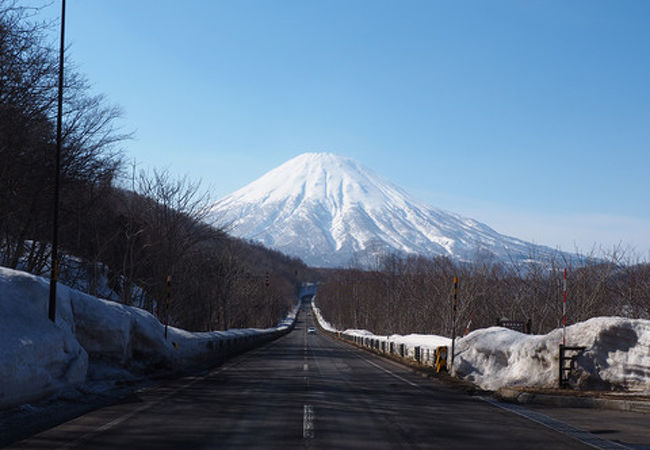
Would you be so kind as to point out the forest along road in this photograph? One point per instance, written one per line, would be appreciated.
(308, 390)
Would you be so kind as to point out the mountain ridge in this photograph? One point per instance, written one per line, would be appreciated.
(330, 211)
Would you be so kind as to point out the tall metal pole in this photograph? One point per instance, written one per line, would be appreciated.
(54, 275)
(453, 324)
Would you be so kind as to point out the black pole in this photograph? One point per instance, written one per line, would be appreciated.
(54, 275)
(453, 324)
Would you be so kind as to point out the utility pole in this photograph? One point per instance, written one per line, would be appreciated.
(54, 274)
(453, 323)
(387, 310)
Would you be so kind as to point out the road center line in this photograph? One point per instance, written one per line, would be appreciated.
(308, 422)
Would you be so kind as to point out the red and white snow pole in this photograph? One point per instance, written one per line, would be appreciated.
(564, 309)
(469, 325)
(167, 301)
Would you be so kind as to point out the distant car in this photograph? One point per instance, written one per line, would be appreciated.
(311, 330)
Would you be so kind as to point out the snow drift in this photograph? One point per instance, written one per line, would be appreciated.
(93, 339)
(37, 357)
(616, 355)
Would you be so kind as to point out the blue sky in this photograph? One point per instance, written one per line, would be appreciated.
(531, 116)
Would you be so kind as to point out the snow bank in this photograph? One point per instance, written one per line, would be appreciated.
(37, 357)
(94, 339)
(324, 324)
(617, 354)
(427, 342)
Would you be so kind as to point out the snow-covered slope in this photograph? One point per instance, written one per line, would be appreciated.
(331, 211)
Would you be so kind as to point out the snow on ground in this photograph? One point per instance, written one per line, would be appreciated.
(617, 354)
(426, 341)
(92, 339)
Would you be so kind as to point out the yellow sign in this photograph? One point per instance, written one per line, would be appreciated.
(441, 358)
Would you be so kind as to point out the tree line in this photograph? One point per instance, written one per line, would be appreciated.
(143, 236)
(414, 294)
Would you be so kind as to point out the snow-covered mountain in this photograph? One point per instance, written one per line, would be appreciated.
(331, 211)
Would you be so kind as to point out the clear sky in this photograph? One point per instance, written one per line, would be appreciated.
(530, 116)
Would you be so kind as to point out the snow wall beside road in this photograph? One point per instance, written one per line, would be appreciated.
(617, 354)
(95, 339)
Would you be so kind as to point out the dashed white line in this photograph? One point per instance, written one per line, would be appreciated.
(308, 422)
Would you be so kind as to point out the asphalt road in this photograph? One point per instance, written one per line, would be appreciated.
(312, 391)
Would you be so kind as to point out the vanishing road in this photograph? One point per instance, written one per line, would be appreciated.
(312, 391)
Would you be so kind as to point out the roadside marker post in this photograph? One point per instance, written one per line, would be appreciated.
(469, 325)
(564, 309)
(169, 293)
(441, 358)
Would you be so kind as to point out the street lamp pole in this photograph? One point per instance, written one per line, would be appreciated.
(54, 275)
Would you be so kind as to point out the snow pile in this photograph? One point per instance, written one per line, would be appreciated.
(324, 324)
(410, 341)
(616, 356)
(424, 341)
(430, 341)
(93, 339)
(37, 357)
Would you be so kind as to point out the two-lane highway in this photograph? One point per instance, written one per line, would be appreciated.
(307, 391)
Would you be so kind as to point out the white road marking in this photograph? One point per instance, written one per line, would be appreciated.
(575, 433)
(308, 422)
(119, 420)
(107, 426)
(415, 385)
(305, 366)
